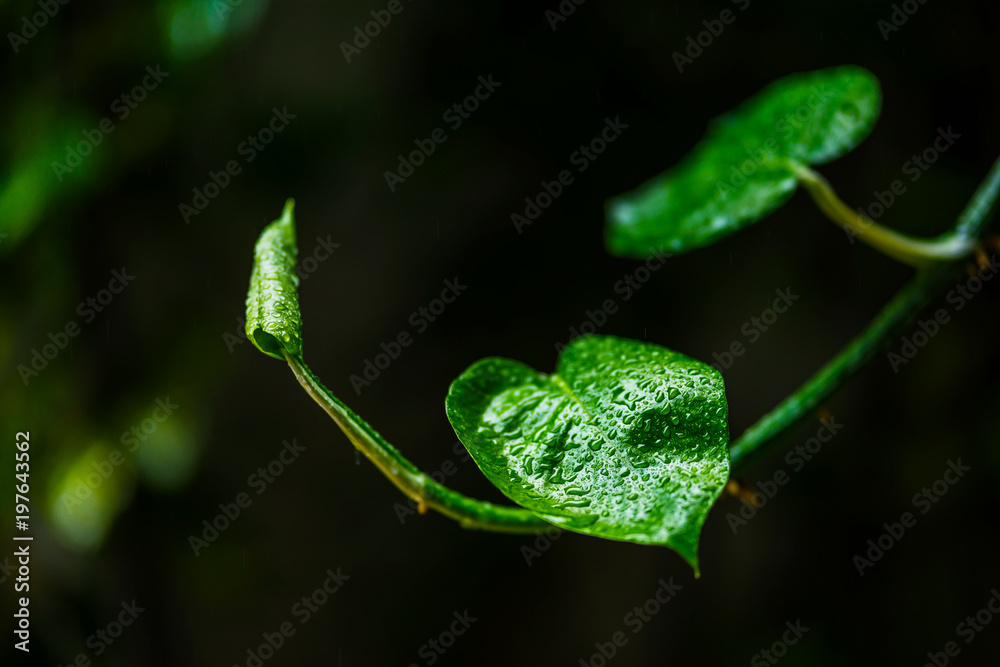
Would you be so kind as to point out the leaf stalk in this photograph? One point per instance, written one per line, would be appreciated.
(426, 491)
(897, 314)
(915, 252)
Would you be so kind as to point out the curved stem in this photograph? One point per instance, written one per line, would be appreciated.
(407, 477)
(915, 252)
(903, 308)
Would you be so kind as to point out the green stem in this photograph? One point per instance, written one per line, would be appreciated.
(890, 321)
(904, 307)
(915, 252)
(469, 513)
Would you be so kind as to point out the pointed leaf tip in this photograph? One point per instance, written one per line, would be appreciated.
(625, 441)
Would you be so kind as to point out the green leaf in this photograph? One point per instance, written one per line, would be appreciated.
(275, 327)
(273, 320)
(626, 440)
(746, 165)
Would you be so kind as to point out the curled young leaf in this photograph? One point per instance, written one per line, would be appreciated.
(626, 440)
(275, 327)
(273, 320)
(746, 165)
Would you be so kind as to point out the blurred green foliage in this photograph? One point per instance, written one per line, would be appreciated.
(57, 155)
(163, 335)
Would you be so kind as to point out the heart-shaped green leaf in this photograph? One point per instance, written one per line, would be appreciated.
(626, 440)
(746, 165)
(273, 320)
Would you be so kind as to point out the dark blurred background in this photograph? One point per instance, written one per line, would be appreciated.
(172, 334)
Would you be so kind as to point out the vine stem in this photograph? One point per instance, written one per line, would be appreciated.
(897, 314)
(915, 252)
(890, 321)
(940, 257)
(468, 512)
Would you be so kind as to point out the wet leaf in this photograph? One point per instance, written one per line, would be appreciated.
(626, 440)
(273, 319)
(746, 165)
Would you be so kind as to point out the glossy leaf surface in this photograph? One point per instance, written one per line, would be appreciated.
(626, 440)
(746, 165)
(273, 320)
